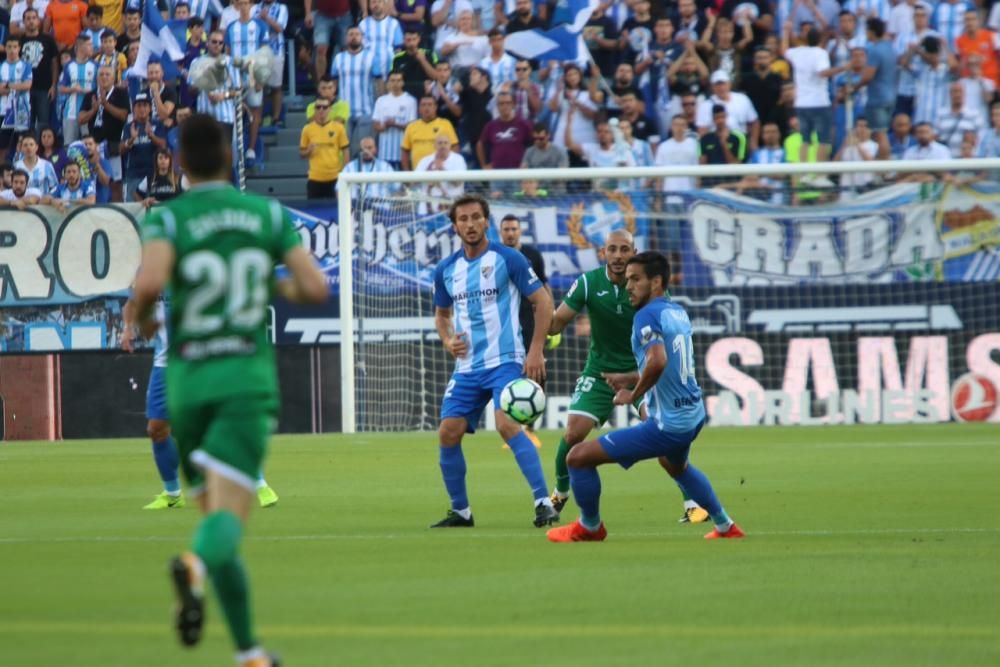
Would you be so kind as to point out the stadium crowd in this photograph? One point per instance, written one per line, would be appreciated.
(679, 82)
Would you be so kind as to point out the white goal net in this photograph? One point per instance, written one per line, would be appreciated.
(824, 293)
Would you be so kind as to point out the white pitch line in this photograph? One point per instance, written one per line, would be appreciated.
(502, 534)
(883, 444)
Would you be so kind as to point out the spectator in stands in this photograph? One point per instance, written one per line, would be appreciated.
(500, 66)
(901, 137)
(41, 173)
(140, 140)
(850, 94)
(642, 126)
(603, 40)
(740, 112)
(641, 150)
(49, 148)
(811, 68)
(722, 51)
(955, 123)
(880, 80)
(368, 162)
(174, 134)
(194, 49)
(475, 102)
(468, 46)
(527, 94)
(925, 149)
(543, 154)
(821, 13)
(662, 52)
(411, 15)
(244, 37)
(503, 142)
(107, 55)
(602, 153)
(414, 63)
(688, 23)
(762, 86)
(756, 12)
(6, 172)
(418, 138)
(623, 83)
(679, 150)
(979, 90)
(770, 152)
(94, 26)
(977, 41)
(20, 195)
(133, 28)
(111, 15)
(104, 112)
(73, 191)
(913, 35)
(382, 33)
(64, 19)
(571, 95)
(78, 79)
(691, 109)
(846, 38)
(522, 18)
(723, 145)
(689, 73)
(40, 51)
(444, 89)
(324, 142)
(161, 95)
(637, 31)
(989, 146)
(162, 184)
(931, 65)
(218, 103)
(16, 84)
(393, 112)
(100, 169)
(327, 90)
(859, 147)
(444, 21)
(442, 159)
(275, 16)
(949, 19)
(358, 74)
(333, 16)
(17, 9)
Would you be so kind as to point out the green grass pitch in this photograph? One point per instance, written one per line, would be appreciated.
(867, 546)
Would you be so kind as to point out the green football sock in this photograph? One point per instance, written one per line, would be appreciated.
(562, 470)
(216, 542)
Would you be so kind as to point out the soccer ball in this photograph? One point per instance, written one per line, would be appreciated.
(523, 400)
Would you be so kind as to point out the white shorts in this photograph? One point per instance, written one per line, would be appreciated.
(277, 73)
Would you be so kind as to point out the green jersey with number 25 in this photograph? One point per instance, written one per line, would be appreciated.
(226, 245)
(611, 315)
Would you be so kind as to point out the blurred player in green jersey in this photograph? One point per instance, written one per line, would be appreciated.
(610, 361)
(215, 249)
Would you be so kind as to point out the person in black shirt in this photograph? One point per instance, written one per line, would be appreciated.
(722, 145)
(757, 12)
(510, 235)
(605, 44)
(162, 184)
(474, 100)
(41, 52)
(762, 86)
(105, 112)
(523, 18)
(415, 64)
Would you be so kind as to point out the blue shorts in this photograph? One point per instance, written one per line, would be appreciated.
(628, 446)
(815, 119)
(156, 394)
(468, 393)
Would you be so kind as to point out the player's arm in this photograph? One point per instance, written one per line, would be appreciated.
(128, 326)
(534, 365)
(561, 318)
(307, 284)
(656, 362)
(456, 344)
(157, 263)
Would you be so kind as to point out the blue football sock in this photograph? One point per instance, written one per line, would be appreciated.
(586, 485)
(695, 484)
(530, 464)
(453, 471)
(165, 455)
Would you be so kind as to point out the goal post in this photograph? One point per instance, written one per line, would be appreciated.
(752, 244)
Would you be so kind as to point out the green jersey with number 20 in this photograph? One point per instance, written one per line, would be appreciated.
(611, 316)
(226, 245)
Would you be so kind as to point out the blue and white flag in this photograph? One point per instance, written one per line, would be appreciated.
(559, 43)
(581, 10)
(157, 42)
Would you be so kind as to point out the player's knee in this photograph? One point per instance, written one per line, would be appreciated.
(673, 469)
(158, 430)
(450, 432)
(577, 458)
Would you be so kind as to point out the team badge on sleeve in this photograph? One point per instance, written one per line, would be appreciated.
(647, 335)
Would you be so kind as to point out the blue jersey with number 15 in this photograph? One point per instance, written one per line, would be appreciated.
(674, 402)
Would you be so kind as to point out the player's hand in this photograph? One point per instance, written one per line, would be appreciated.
(149, 328)
(534, 367)
(552, 342)
(624, 397)
(619, 381)
(457, 345)
(128, 335)
(309, 21)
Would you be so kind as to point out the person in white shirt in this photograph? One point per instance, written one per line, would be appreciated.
(925, 149)
(393, 112)
(444, 19)
(811, 69)
(955, 123)
(367, 162)
(442, 159)
(607, 152)
(979, 90)
(468, 46)
(17, 14)
(20, 195)
(680, 150)
(740, 112)
(41, 173)
(859, 147)
(767, 188)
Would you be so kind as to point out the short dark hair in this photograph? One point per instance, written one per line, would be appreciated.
(132, 10)
(108, 33)
(813, 37)
(203, 147)
(327, 78)
(495, 31)
(653, 264)
(510, 216)
(195, 21)
(21, 172)
(95, 10)
(469, 199)
(540, 127)
(6, 166)
(718, 108)
(876, 25)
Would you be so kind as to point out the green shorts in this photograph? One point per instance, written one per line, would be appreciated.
(229, 437)
(593, 398)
